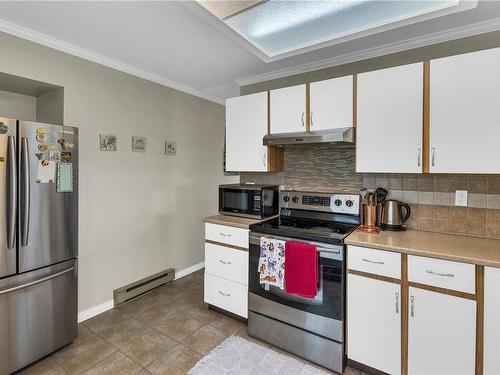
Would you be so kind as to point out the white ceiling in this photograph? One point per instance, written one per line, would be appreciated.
(182, 45)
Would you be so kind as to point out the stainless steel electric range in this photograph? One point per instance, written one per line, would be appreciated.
(312, 328)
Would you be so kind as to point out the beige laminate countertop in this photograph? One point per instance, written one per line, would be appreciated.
(466, 249)
(233, 221)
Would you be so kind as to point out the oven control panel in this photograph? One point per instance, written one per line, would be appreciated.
(335, 203)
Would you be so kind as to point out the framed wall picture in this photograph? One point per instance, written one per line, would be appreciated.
(139, 143)
(170, 148)
(107, 142)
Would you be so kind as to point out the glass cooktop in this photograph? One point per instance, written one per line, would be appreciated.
(318, 230)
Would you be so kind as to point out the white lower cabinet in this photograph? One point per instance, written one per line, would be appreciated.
(374, 323)
(491, 321)
(226, 268)
(441, 334)
(227, 295)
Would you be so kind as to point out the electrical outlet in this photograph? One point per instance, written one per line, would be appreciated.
(461, 198)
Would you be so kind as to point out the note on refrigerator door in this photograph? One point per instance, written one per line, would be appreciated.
(64, 178)
(46, 171)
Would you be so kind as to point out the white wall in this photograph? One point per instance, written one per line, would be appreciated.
(139, 213)
(18, 106)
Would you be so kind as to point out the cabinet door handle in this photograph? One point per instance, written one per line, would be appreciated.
(419, 157)
(312, 122)
(264, 159)
(224, 234)
(224, 262)
(372, 261)
(412, 306)
(440, 274)
(224, 294)
(397, 302)
(303, 123)
(433, 157)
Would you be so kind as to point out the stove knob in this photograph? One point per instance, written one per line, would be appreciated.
(338, 202)
(295, 199)
(286, 198)
(349, 203)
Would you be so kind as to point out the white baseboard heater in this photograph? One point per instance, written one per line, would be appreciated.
(127, 292)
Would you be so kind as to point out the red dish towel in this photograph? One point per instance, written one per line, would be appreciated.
(301, 269)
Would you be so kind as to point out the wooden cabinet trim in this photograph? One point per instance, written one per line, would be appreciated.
(374, 276)
(404, 314)
(354, 100)
(426, 119)
(479, 319)
(275, 158)
(308, 107)
(275, 154)
(226, 245)
(442, 290)
(269, 112)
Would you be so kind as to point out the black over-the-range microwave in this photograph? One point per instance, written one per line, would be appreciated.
(249, 200)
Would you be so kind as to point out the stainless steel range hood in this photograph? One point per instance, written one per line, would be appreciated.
(341, 135)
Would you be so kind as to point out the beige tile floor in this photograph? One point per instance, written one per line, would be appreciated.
(164, 332)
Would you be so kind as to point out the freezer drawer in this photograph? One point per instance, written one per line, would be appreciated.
(38, 314)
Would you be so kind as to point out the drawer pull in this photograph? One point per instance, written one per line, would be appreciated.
(397, 303)
(224, 262)
(224, 294)
(225, 234)
(372, 261)
(440, 274)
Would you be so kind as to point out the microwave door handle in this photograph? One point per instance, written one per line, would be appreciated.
(12, 188)
(25, 191)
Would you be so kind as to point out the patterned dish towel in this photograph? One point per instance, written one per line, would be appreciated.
(272, 262)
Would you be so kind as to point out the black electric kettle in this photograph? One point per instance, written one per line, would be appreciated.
(392, 215)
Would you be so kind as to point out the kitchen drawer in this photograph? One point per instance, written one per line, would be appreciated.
(228, 235)
(442, 273)
(378, 262)
(227, 295)
(226, 262)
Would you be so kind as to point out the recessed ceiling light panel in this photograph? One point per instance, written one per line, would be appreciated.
(281, 28)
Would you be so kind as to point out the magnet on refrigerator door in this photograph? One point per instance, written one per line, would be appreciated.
(64, 179)
(55, 156)
(65, 156)
(45, 171)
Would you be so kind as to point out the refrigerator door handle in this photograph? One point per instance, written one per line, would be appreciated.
(25, 191)
(12, 186)
(36, 282)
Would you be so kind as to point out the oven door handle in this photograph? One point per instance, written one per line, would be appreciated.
(320, 247)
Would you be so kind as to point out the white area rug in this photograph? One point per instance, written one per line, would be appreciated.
(237, 356)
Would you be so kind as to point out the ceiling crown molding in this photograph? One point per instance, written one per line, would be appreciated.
(386, 49)
(57, 44)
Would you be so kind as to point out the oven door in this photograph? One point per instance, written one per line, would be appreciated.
(326, 309)
(240, 202)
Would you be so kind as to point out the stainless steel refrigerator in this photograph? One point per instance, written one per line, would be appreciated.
(38, 240)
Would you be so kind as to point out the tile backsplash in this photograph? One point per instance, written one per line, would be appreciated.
(431, 196)
(315, 167)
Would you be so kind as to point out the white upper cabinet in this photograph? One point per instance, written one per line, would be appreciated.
(246, 125)
(491, 321)
(389, 120)
(465, 113)
(331, 103)
(288, 109)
